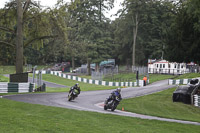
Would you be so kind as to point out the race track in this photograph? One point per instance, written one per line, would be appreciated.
(93, 100)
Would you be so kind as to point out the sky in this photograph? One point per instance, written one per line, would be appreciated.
(51, 3)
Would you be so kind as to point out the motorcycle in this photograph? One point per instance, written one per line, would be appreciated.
(112, 104)
(72, 95)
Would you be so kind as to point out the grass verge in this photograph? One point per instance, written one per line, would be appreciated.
(131, 77)
(188, 76)
(67, 82)
(22, 117)
(158, 77)
(3, 78)
(160, 104)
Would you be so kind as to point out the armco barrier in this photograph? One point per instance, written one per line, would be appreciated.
(16, 87)
(97, 82)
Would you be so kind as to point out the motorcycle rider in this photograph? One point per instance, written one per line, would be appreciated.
(113, 95)
(77, 87)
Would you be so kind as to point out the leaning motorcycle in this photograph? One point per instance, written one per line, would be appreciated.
(72, 95)
(112, 104)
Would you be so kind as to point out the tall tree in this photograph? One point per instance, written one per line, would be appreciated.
(19, 43)
(89, 25)
(141, 30)
(135, 11)
(183, 41)
(39, 27)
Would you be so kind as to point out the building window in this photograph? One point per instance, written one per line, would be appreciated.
(157, 65)
(163, 65)
(160, 65)
(169, 65)
(174, 65)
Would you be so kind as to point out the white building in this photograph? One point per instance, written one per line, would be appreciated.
(165, 67)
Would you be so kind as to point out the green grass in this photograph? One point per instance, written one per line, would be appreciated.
(17, 117)
(160, 104)
(89, 87)
(188, 76)
(3, 79)
(158, 77)
(132, 77)
(85, 76)
(67, 82)
(7, 69)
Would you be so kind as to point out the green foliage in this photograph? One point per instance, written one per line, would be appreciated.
(41, 28)
(79, 30)
(183, 41)
(154, 18)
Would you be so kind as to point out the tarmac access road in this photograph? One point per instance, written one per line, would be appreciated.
(93, 100)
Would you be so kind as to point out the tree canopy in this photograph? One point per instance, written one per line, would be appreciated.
(78, 31)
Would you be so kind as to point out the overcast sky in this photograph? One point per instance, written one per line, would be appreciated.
(51, 3)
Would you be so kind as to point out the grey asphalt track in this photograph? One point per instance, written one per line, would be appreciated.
(93, 100)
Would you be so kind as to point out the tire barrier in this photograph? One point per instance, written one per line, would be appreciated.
(97, 82)
(6, 87)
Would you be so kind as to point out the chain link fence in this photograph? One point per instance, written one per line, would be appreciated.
(111, 74)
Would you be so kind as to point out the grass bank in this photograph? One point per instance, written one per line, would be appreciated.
(67, 82)
(131, 77)
(3, 78)
(22, 117)
(188, 76)
(160, 104)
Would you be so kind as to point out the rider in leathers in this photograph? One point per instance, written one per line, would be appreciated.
(113, 94)
(77, 87)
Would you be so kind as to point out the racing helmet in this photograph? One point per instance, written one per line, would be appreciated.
(77, 84)
(119, 90)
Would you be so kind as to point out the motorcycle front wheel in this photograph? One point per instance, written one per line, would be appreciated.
(105, 107)
(113, 108)
(69, 97)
